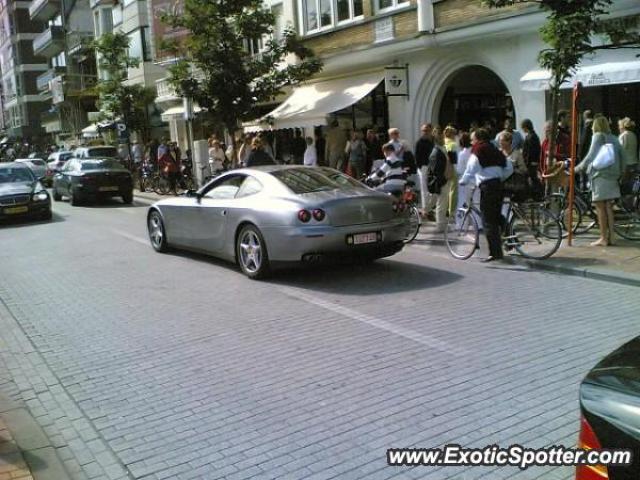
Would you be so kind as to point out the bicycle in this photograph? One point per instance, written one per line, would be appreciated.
(529, 228)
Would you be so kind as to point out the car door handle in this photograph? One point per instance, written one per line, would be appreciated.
(224, 213)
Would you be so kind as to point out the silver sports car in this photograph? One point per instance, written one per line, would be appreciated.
(260, 217)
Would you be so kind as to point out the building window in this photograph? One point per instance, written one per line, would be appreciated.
(324, 14)
(385, 5)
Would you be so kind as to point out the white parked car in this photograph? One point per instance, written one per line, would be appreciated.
(99, 151)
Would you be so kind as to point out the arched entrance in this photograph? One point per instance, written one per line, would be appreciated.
(475, 95)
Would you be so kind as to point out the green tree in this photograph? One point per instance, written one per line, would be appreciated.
(216, 67)
(574, 28)
(117, 100)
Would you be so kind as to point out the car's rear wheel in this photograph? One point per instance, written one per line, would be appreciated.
(128, 198)
(251, 253)
(157, 234)
(74, 197)
(56, 195)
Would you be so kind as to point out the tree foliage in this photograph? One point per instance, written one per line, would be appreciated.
(219, 72)
(574, 28)
(116, 99)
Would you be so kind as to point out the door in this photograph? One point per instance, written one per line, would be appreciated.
(207, 218)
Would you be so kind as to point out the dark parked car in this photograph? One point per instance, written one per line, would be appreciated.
(94, 179)
(610, 407)
(21, 193)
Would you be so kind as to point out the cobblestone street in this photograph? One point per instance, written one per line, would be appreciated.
(145, 366)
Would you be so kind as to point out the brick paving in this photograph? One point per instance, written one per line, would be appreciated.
(148, 366)
(12, 463)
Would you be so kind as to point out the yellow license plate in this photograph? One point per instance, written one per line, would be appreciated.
(14, 210)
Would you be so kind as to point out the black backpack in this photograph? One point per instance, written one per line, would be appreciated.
(435, 171)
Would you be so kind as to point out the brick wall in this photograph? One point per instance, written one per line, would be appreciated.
(448, 13)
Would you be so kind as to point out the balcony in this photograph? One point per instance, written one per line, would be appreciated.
(79, 84)
(50, 42)
(42, 81)
(165, 92)
(44, 10)
(79, 43)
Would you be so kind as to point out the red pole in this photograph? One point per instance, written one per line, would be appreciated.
(574, 158)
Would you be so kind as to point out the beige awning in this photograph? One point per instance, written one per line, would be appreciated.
(310, 104)
(177, 113)
(612, 73)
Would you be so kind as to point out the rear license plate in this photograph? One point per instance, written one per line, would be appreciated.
(108, 189)
(360, 238)
(14, 210)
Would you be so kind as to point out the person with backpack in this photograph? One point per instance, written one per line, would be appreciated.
(488, 167)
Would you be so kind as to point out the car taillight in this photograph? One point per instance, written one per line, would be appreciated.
(318, 214)
(588, 441)
(304, 216)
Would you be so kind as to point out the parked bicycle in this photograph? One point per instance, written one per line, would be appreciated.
(529, 228)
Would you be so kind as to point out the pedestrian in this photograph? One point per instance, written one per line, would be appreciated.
(258, 157)
(244, 151)
(464, 192)
(451, 146)
(356, 151)
(390, 172)
(440, 176)
(585, 134)
(552, 168)
(604, 181)
(424, 147)
(310, 154)
(298, 147)
(138, 154)
(518, 140)
(400, 145)
(505, 143)
(168, 164)
(334, 147)
(629, 142)
(488, 167)
(530, 149)
(374, 149)
(217, 157)
(320, 144)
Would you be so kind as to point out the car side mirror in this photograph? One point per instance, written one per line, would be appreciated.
(198, 196)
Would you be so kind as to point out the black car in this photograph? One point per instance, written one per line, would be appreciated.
(21, 193)
(93, 179)
(610, 407)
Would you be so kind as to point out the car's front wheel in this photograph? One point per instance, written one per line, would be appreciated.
(128, 198)
(56, 195)
(251, 253)
(157, 234)
(74, 197)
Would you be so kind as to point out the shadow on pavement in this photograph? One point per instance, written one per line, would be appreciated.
(28, 222)
(382, 276)
(107, 203)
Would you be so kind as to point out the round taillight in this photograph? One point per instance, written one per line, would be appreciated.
(304, 216)
(318, 214)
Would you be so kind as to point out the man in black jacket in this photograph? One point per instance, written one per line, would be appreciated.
(258, 156)
(424, 147)
(530, 148)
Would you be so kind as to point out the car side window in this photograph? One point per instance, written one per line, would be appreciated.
(227, 189)
(249, 187)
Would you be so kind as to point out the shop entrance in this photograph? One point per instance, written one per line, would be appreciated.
(476, 95)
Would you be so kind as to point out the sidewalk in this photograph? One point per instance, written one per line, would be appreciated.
(12, 463)
(619, 264)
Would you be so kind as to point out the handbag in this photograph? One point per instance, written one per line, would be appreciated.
(605, 158)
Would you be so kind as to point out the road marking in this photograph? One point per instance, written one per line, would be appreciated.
(409, 334)
(133, 238)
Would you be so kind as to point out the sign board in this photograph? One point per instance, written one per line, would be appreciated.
(396, 81)
(383, 30)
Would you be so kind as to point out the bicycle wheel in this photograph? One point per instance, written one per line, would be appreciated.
(626, 220)
(534, 231)
(413, 226)
(462, 234)
(161, 185)
(556, 203)
(588, 218)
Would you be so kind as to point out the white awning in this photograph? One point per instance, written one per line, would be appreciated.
(309, 105)
(613, 73)
(177, 113)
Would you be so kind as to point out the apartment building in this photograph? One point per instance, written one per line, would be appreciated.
(66, 84)
(133, 18)
(404, 62)
(20, 67)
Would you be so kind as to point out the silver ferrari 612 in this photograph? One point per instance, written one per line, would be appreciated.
(261, 217)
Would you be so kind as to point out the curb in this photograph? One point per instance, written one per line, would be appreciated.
(604, 275)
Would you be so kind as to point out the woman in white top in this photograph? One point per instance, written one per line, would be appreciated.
(216, 157)
(464, 191)
(629, 143)
(310, 154)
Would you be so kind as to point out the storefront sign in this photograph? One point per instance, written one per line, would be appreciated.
(396, 81)
(384, 30)
(596, 79)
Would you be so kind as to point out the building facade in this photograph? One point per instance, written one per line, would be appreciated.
(20, 67)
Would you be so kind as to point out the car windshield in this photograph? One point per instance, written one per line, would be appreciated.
(102, 152)
(309, 180)
(100, 165)
(16, 175)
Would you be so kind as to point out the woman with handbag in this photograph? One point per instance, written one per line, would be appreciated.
(604, 164)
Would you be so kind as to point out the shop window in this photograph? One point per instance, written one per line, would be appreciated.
(324, 14)
(385, 5)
